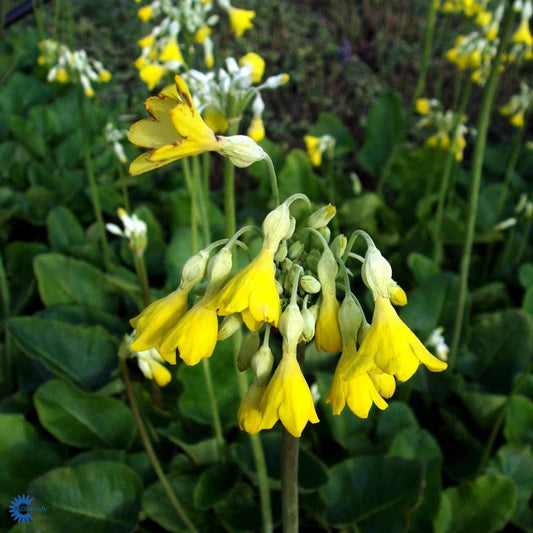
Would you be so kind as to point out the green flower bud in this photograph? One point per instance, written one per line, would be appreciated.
(291, 325)
(309, 322)
(310, 284)
(339, 245)
(194, 268)
(241, 150)
(350, 319)
(321, 217)
(325, 232)
(249, 346)
(229, 326)
(291, 229)
(281, 254)
(219, 267)
(376, 273)
(276, 225)
(295, 250)
(261, 363)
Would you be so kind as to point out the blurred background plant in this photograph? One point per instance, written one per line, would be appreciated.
(434, 159)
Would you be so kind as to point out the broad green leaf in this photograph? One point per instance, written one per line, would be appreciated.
(178, 251)
(297, 175)
(518, 427)
(213, 485)
(21, 92)
(422, 267)
(362, 212)
(398, 416)
(84, 355)
(376, 493)
(485, 504)
(194, 402)
(525, 274)
(100, 496)
(84, 420)
(329, 124)
(484, 408)
(527, 303)
(63, 280)
(24, 455)
(383, 133)
(64, 229)
(239, 511)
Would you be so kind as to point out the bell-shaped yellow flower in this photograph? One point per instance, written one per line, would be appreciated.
(252, 292)
(257, 129)
(391, 347)
(145, 13)
(422, 106)
(157, 319)
(287, 398)
(62, 75)
(249, 414)
(517, 119)
(312, 145)
(523, 34)
(149, 362)
(240, 20)
(151, 74)
(360, 392)
(255, 63)
(194, 336)
(171, 52)
(202, 34)
(327, 333)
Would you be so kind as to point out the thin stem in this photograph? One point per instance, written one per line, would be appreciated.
(229, 198)
(192, 198)
(203, 197)
(428, 45)
(273, 179)
(92, 181)
(140, 267)
(477, 167)
(151, 453)
(124, 187)
(446, 173)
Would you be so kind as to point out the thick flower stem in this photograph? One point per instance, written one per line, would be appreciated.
(446, 173)
(151, 453)
(140, 267)
(290, 447)
(477, 167)
(217, 425)
(92, 181)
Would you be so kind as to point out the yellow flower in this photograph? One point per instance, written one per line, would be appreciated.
(215, 119)
(145, 13)
(62, 75)
(360, 392)
(149, 362)
(257, 129)
(152, 74)
(327, 333)
(202, 34)
(422, 105)
(287, 398)
(255, 63)
(249, 414)
(89, 92)
(312, 145)
(517, 119)
(240, 20)
(157, 319)
(483, 19)
(147, 41)
(104, 76)
(391, 347)
(523, 34)
(252, 292)
(194, 336)
(171, 52)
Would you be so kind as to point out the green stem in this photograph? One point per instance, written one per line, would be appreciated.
(446, 173)
(151, 453)
(273, 179)
(426, 55)
(192, 199)
(140, 267)
(203, 197)
(92, 181)
(124, 187)
(524, 243)
(477, 167)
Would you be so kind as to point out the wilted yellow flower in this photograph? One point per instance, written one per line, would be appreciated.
(312, 145)
(255, 63)
(287, 397)
(422, 105)
(257, 129)
(152, 74)
(240, 20)
(171, 52)
(391, 347)
(252, 292)
(145, 13)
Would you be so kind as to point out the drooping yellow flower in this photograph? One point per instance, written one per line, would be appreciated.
(240, 20)
(483, 19)
(287, 398)
(151, 74)
(104, 76)
(147, 41)
(327, 333)
(312, 145)
(157, 319)
(171, 52)
(255, 63)
(145, 13)
(422, 105)
(252, 292)
(62, 75)
(257, 129)
(149, 362)
(391, 347)
(249, 413)
(523, 34)
(202, 34)
(194, 336)
(517, 119)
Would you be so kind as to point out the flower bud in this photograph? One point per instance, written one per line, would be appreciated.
(321, 217)
(281, 254)
(279, 287)
(327, 267)
(194, 269)
(219, 267)
(376, 273)
(397, 294)
(276, 225)
(309, 323)
(229, 326)
(310, 284)
(286, 264)
(325, 232)
(291, 229)
(295, 250)
(249, 345)
(241, 150)
(261, 363)
(291, 325)
(338, 246)
(350, 319)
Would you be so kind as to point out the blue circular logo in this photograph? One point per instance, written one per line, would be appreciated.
(19, 508)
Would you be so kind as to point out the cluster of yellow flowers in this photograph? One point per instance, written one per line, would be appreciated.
(184, 24)
(291, 285)
(441, 122)
(67, 66)
(518, 106)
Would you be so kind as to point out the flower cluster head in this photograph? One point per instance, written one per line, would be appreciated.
(441, 126)
(317, 146)
(297, 287)
(224, 96)
(114, 137)
(518, 106)
(67, 66)
(134, 231)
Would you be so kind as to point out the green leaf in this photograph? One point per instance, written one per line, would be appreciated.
(82, 419)
(297, 175)
(485, 504)
(22, 92)
(101, 496)
(239, 512)
(383, 133)
(63, 280)
(194, 402)
(178, 251)
(376, 493)
(484, 408)
(84, 355)
(396, 417)
(24, 455)
(213, 485)
(525, 274)
(422, 267)
(527, 304)
(518, 427)
(64, 229)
